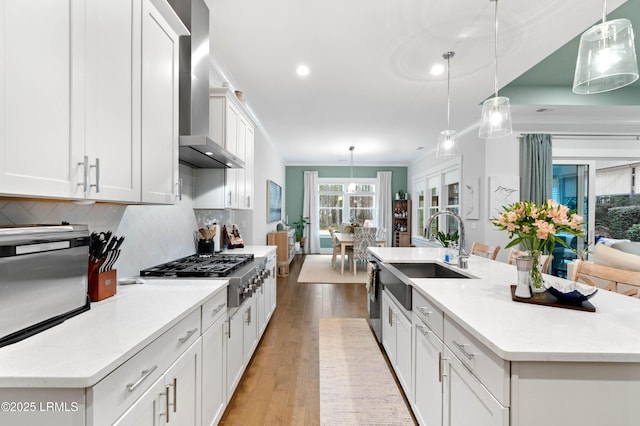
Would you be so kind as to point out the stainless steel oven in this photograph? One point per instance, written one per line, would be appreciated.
(43, 277)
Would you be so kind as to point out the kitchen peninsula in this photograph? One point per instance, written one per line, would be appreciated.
(129, 358)
(496, 361)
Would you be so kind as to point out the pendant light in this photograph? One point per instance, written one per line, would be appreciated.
(496, 112)
(352, 185)
(606, 57)
(447, 140)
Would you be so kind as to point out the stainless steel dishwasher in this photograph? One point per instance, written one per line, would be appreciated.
(375, 300)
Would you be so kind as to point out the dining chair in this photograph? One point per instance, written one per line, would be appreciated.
(490, 252)
(362, 238)
(612, 279)
(544, 261)
(337, 251)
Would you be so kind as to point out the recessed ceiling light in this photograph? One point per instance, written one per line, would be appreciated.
(419, 148)
(437, 69)
(302, 70)
(209, 153)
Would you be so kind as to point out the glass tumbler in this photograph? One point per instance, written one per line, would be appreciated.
(524, 264)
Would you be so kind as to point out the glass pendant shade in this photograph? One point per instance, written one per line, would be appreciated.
(447, 144)
(447, 139)
(351, 187)
(606, 58)
(495, 121)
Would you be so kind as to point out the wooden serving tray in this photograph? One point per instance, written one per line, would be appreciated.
(547, 299)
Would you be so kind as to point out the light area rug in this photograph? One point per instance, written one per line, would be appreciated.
(356, 386)
(317, 269)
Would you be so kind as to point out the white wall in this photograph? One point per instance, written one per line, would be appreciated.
(269, 164)
(502, 158)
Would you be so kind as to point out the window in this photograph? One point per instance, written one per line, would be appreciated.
(571, 188)
(434, 203)
(437, 191)
(331, 200)
(419, 206)
(337, 205)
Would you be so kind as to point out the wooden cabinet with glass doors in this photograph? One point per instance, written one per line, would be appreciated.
(402, 223)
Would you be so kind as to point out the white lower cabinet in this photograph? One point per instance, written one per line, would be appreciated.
(235, 358)
(172, 399)
(396, 339)
(427, 374)
(457, 380)
(182, 384)
(466, 400)
(272, 285)
(148, 410)
(250, 332)
(214, 360)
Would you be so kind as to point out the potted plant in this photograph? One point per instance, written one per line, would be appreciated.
(446, 239)
(299, 226)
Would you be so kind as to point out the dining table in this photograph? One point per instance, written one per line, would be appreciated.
(346, 240)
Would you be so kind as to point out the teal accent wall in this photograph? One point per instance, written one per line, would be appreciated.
(294, 184)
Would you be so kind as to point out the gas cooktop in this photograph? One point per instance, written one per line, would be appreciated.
(200, 265)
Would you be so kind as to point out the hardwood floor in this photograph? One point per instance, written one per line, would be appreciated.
(281, 383)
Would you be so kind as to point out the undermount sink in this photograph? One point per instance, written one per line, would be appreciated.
(427, 270)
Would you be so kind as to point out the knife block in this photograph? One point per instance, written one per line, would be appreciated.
(102, 285)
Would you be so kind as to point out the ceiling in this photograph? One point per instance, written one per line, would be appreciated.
(369, 83)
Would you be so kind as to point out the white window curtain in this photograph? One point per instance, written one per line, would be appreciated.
(310, 210)
(384, 204)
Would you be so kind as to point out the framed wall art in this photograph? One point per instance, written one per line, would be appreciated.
(274, 197)
(503, 190)
(471, 199)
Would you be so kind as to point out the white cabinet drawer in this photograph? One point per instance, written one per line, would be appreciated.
(109, 398)
(428, 313)
(214, 309)
(492, 371)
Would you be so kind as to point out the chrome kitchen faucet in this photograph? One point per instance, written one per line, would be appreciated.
(463, 256)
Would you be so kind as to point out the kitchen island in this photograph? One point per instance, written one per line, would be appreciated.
(529, 364)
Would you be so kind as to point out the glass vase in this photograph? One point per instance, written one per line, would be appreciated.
(537, 283)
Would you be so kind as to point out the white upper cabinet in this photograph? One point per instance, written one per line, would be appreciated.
(159, 107)
(230, 127)
(37, 43)
(112, 101)
(86, 85)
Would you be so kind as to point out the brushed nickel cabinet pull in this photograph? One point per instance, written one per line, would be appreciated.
(424, 330)
(85, 174)
(175, 394)
(145, 373)
(97, 167)
(188, 336)
(217, 309)
(166, 388)
(461, 348)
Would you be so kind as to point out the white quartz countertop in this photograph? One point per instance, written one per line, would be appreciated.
(257, 251)
(525, 332)
(84, 349)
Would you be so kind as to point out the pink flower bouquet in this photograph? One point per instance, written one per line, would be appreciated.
(536, 227)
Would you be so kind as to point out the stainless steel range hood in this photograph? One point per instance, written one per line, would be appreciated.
(196, 148)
